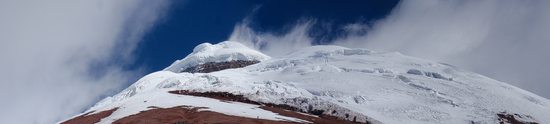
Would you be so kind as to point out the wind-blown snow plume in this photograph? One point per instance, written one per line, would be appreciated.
(506, 40)
(57, 55)
(293, 40)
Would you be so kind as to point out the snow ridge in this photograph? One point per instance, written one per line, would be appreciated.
(221, 52)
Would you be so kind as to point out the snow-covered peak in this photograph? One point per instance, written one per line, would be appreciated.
(221, 52)
(353, 84)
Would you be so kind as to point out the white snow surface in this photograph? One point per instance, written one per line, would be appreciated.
(384, 86)
(221, 52)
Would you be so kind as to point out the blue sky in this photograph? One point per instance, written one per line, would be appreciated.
(190, 23)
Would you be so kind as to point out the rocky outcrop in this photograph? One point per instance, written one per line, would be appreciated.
(217, 66)
(217, 57)
(509, 118)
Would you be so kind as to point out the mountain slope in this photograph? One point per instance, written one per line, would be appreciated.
(331, 81)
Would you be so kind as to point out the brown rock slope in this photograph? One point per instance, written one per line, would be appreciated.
(285, 110)
(194, 115)
(89, 118)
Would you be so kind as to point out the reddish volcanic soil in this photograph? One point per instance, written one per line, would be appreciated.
(191, 115)
(90, 119)
(187, 115)
(316, 120)
(284, 110)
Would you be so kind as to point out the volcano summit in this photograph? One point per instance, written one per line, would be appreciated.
(231, 83)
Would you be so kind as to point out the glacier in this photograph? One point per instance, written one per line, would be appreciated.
(358, 84)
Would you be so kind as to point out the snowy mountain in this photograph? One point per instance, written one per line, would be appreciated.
(319, 84)
(222, 52)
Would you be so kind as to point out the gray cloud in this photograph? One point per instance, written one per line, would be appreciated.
(503, 39)
(48, 49)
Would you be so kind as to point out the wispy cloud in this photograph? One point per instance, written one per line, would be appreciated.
(296, 38)
(506, 40)
(50, 52)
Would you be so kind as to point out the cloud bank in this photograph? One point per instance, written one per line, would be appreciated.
(506, 40)
(58, 57)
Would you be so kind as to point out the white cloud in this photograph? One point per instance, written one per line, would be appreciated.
(271, 44)
(504, 39)
(47, 49)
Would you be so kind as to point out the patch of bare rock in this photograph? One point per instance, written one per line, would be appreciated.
(89, 118)
(285, 110)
